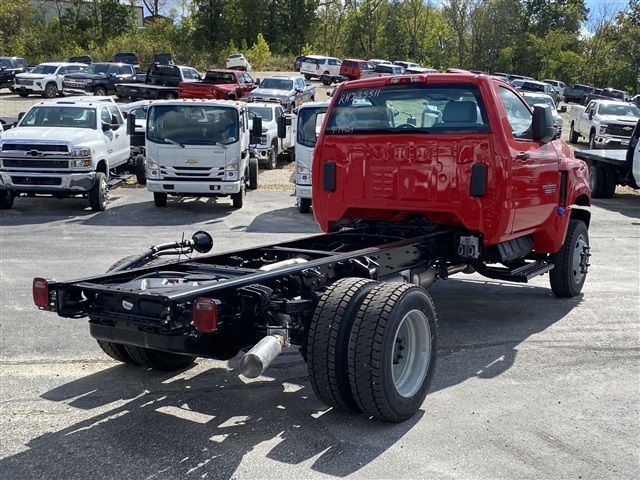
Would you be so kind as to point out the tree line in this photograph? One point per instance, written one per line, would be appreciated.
(557, 39)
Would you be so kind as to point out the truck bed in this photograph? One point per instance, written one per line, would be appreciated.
(611, 156)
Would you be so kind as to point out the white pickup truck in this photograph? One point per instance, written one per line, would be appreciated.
(270, 146)
(45, 79)
(308, 125)
(64, 148)
(199, 149)
(604, 123)
(611, 167)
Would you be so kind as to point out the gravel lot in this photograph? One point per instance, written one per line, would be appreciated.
(527, 385)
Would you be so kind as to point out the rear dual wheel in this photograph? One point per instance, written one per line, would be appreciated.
(602, 181)
(372, 348)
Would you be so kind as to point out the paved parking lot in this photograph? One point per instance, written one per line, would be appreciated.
(526, 386)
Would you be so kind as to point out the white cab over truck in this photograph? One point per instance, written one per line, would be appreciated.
(309, 122)
(64, 148)
(604, 123)
(45, 79)
(608, 168)
(199, 149)
(271, 146)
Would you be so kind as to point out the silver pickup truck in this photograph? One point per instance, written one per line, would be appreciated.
(604, 123)
(289, 91)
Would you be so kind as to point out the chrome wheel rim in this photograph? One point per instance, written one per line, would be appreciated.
(411, 353)
(579, 250)
(592, 177)
(104, 192)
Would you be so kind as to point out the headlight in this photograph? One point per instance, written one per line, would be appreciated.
(303, 170)
(82, 163)
(81, 152)
(303, 176)
(603, 129)
(152, 170)
(231, 170)
(263, 140)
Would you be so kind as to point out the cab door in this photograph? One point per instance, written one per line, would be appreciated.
(535, 176)
(121, 141)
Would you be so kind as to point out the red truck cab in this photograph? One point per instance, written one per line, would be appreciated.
(355, 69)
(458, 149)
(220, 85)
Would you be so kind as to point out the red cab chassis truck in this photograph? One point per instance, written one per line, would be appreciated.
(415, 178)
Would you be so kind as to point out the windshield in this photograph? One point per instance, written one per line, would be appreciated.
(536, 87)
(5, 62)
(96, 68)
(409, 108)
(220, 78)
(57, 116)
(613, 94)
(45, 69)
(192, 124)
(277, 84)
(546, 100)
(620, 110)
(264, 112)
(309, 124)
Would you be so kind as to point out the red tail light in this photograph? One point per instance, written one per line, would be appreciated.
(41, 292)
(205, 314)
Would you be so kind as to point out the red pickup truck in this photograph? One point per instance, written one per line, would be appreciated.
(220, 85)
(415, 178)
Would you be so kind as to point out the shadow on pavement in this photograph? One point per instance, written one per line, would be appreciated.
(627, 204)
(153, 425)
(284, 220)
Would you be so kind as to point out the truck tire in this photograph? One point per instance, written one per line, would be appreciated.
(392, 351)
(238, 199)
(252, 174)
(272, 159)
(592, 141)
(307, 76)
(573, 135)
(159, 360)
(328, 341)
(99, 193)
(50, 91)
(304, 205)
(6, 199)
(160, 199)
(169, 96)
(609, 181)
(326, 80)
(141, 175)
(566, 278)
(23, 94)
(595, 179)
(117, 351)
(100, 91)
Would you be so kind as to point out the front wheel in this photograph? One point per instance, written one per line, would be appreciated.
(307, 76)
(23, 95)
(392, 351)
(571, 262)
(573, 135)
(100, 91)
(6, 199)
(141, 175)
(592, 141)
(169, 96)
(304, 205)
(272, 159)
(160, 199)
(99, 193)
(50, 91)
(238, 199)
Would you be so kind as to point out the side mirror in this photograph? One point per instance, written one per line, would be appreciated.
(106, 127)
(299, 90)
(282, 127)
(562, 109)
(20, 115)
(256, 130)
(131, 124)
(542, 127)
(124, 115)
(590, 115)
(114, 120)
(257, 81)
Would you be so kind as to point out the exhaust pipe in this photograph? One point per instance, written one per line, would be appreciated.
(256, 360)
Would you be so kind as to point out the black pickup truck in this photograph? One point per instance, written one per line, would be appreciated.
(161, 83)
(98, 79)
(9, 66)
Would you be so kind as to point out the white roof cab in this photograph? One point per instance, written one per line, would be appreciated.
(319, 65)
(534, 98)
(407, 65)
(237, 61)
(377, 61)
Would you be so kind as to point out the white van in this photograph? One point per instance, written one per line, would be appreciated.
(309, 123)
(318, 65)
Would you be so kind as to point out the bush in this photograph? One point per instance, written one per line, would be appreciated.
(259, 55)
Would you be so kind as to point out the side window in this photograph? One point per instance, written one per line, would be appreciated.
(301, 83)
(113, 111)
(72, 68)
(113, 69)
(518, 114)
(279, 112)
(126, 70)
(105, 116)
(247, 78)
(332, 61)
(62, 70)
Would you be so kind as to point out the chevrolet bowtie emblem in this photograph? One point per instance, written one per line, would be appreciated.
(191, 161)
(627, 129)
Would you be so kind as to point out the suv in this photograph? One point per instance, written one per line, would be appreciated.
(318, 66)
(9, 67)
(237, 61)
(354, 69)
(407, 65)
(45, 79)
(64, 148)
(385, 69)
(98, 78)
(577, 93)
(129, 58)
(558, 85)
(540, 87)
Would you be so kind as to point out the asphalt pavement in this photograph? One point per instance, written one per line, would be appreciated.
(527, 385)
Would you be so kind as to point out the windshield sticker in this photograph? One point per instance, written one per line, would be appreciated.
(359, 94)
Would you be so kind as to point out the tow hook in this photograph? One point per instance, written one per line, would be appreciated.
(584, 259)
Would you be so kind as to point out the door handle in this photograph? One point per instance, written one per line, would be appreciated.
(523, 156)
(117, 135)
